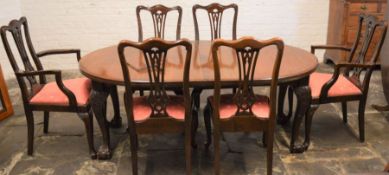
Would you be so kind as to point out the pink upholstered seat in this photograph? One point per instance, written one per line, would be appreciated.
(228, 109)
(342, 87)
(50, 94)
(142, 109)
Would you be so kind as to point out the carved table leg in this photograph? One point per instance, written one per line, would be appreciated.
(303, 93)
(98, 99)
(281, 117)
(116, 121)
(195, 120)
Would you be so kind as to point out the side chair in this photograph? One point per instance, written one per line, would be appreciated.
(157, 112)
(243, 110)
(215, 13)
(70, 95)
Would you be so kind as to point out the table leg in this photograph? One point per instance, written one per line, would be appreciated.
(98, 99)
(303, 93)
(116, 121)
(196, 107)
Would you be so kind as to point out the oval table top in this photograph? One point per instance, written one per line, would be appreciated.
(103, 65)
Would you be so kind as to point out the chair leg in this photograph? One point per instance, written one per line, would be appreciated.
(87, 118)
(264, 137)
(269, 152)
(134, 153)
(30, 132)
(344, 111)
(45, 122)
(361, 120)
(290, 102)
(188, 145)
(208, 127)
(194, 127)
(141, 93)
(216, 145)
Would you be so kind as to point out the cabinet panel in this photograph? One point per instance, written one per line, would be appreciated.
(343, 24)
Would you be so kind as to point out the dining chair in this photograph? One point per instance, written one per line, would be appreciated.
(70, 95)
(215, 13)
(350, 79)
(157, 112)
(244, 110)
(159, 14)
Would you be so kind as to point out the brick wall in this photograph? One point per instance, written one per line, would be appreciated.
(91, 24)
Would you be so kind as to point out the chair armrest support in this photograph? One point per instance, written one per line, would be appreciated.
(329, 47)
(58, 79)
(60, 51)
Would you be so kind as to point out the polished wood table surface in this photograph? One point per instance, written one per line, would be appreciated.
(103, 67)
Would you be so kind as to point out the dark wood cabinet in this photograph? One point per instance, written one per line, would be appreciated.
(343, 24)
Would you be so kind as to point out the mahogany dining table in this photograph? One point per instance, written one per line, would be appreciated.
(103, 67)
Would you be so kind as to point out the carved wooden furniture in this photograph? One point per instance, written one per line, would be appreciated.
(157, 112)
(6, 108)
(60, 96)
(350, 80)
(103, 67)
(244, 110)
(158, 13)
(215, 13)
(343, 25)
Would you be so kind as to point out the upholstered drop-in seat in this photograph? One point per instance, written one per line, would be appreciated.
(142, 109)
(50, 94)
(228, 109)
(342, 87)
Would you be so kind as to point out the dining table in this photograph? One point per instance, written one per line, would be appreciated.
(103, 67)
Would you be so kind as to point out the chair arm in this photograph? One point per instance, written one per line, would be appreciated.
(329, 47)
(60, 51)
(353, 65)
(58, 79)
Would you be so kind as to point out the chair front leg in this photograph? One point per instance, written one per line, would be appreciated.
(269, 151)
(87, 118)
(45, 122)
(30, 132)
(194, 127)
(344, 111)
(361, 119)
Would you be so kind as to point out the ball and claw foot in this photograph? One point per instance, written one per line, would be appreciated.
(300, 148)
(104, 153)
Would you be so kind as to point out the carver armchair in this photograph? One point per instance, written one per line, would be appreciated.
(70, 95)
(350, 80)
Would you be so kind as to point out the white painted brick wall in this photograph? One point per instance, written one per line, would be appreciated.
(92, 24)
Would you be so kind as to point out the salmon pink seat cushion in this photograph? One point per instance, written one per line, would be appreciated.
(342, 87)
(142, 109)
(50, 94)
(228, 109)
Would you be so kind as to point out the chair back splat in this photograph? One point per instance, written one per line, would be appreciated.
(215, 15)
(21, 39)
(158, 13)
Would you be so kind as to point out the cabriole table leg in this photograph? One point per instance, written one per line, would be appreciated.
(98, 99)
(303, 93)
